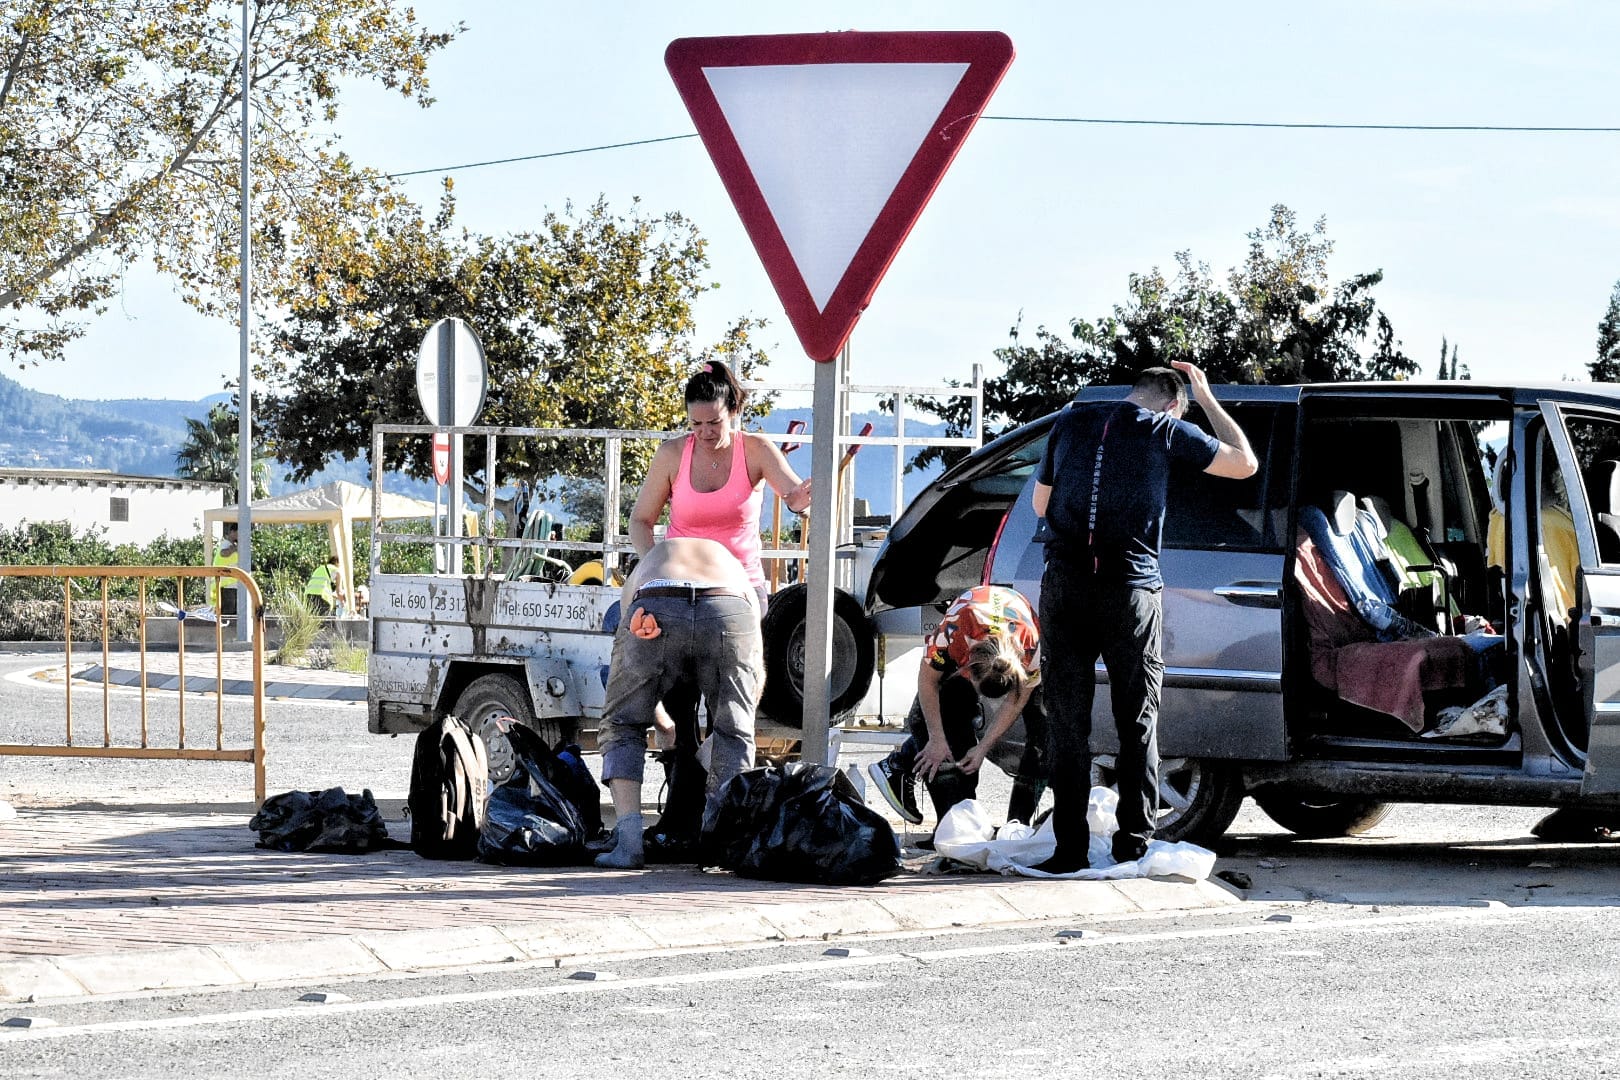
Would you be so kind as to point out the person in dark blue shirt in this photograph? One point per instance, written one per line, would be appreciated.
(1102, 488)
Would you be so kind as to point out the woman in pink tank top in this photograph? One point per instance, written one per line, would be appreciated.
(713, 480)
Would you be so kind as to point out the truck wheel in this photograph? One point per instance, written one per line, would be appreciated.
(491, 696)
(854, 654)
(1198, 799)
(1319, 818)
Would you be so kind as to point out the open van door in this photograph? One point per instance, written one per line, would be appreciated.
(1587, 443)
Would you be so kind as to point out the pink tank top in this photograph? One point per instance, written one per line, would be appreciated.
(729, 515)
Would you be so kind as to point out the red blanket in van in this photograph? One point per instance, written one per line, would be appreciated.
(1388, 677)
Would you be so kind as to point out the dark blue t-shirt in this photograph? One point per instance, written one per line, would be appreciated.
(1109, 506)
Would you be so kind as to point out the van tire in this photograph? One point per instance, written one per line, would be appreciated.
(489, 696)
(854, 654)
(1198, 798)
(1319, 819)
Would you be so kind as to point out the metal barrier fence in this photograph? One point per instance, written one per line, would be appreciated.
(144, 575)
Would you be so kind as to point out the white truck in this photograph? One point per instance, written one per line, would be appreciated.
(481, 644)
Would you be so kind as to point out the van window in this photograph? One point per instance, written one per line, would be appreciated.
(1204, 511)
(1597, 453)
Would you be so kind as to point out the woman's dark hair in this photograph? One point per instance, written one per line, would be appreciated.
(715, 384)
(995, 665)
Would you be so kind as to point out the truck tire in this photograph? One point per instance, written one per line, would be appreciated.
(1198, 798)
(853, 662)
(1319, 818)
(491, 696)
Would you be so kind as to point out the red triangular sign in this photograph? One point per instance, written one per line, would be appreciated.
(830, 146)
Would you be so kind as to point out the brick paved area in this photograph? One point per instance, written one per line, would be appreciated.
(120, 900)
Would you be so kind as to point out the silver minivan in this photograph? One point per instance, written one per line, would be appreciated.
(1513, 494)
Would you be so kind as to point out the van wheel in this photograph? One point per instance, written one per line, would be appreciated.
(1319, 818)
(854, 658)
(1198, 799)
(491, 696)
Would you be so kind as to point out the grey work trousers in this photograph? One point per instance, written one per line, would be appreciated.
(712, 641)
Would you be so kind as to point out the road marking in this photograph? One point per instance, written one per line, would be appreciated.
(840, 966)
(1483, 1052)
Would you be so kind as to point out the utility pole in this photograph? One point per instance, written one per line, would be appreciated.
(244, 431)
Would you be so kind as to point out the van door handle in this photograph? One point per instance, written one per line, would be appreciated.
(1257, 594)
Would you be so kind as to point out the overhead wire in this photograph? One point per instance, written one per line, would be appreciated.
(1520, 129)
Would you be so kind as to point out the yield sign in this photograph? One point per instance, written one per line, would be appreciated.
(830, 146)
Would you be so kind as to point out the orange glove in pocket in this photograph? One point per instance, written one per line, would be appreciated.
(644, 625)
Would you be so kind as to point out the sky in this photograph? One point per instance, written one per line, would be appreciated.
(1507, 244)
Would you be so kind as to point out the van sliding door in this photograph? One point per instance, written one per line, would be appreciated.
(1587, 443)
(1223, 557)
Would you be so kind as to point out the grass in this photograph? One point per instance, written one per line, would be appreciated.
(299, 625)
(349, 657)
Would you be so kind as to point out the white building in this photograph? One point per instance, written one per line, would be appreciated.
(128, 509)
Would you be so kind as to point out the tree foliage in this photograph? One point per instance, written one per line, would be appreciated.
(1605, 367)
(209, 452)
(585, 322)
(120, 138)
(1278, 318)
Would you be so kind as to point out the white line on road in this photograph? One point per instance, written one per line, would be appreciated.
(843, 965)
(1483, 1052)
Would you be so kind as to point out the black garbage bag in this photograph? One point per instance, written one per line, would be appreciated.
(545, 812)
(330, 820)
(799, 822)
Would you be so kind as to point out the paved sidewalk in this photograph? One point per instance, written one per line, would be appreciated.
(117, 901)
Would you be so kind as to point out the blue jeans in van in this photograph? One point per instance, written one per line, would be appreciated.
(1083, 618)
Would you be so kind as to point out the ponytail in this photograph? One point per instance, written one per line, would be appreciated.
(996, 666)
(714, 383)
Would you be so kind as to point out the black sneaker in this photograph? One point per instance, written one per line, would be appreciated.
(899, 789)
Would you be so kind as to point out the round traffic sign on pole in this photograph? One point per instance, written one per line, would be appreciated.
(451, 376)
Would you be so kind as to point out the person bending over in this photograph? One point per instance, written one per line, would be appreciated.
(980, 672)
(690, 614)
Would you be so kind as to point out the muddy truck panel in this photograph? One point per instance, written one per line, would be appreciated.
(434, 636)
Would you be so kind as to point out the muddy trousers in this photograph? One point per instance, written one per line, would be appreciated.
(1083, 619)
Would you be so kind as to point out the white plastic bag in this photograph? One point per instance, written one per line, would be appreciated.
(967, 835)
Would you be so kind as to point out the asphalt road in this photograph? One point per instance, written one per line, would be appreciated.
(309, 745)
(1316, 990)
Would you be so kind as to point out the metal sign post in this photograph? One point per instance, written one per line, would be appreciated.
(451, 381)
(824, 453)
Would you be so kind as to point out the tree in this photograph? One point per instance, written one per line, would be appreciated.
(1454, 372)
(1278, 319)
(1606, 367)
(209, 452)
(119, 138)
(585, 323)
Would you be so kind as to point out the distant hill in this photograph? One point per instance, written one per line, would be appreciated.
(45, 431)
(873, 465)
(141, 436)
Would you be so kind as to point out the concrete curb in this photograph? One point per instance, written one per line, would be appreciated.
(566, 942)
(202, 684)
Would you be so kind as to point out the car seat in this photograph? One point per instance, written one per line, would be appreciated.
(1362, 648)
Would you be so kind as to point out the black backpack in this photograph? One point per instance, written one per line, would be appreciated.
(449, 791)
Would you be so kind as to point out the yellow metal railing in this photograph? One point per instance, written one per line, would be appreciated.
(146, 575)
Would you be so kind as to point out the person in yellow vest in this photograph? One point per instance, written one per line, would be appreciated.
(321, 591)
(227, 554)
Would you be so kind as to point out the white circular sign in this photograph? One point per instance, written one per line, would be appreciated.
(451, 376)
